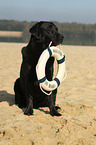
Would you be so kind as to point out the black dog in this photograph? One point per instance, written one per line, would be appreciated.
(27, 91)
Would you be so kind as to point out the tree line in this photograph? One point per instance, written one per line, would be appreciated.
(74, 33)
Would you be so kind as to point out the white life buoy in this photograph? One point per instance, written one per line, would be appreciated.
(40, 68)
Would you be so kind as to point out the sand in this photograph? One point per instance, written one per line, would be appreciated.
(76, 96)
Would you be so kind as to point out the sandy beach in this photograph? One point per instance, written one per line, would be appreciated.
(76, 97)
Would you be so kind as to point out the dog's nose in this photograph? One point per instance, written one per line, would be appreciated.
(61, 37)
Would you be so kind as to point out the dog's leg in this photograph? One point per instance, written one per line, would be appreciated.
(52, 97)
(29, 109)
(49, 68)
(29, 99)
(19, 97)
(52, 108)
(54, 92)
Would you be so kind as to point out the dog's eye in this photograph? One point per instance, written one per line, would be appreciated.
(50, 28)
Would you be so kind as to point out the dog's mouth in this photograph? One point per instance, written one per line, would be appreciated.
(61, 39)
(58, 41)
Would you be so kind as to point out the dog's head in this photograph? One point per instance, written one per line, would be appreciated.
(45, 32)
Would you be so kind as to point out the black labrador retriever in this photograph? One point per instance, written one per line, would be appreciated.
(26, 88)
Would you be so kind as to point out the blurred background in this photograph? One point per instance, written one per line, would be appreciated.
(75, 19)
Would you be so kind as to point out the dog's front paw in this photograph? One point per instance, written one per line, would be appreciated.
(57, 108)
(54, 112)
(28, 111)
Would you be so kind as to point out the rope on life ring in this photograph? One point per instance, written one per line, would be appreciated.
(40, 69)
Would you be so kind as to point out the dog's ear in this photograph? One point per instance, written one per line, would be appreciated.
(36, 31)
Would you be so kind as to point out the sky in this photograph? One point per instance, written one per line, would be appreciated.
(79, 11)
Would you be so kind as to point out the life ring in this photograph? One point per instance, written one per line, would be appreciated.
(40, 68)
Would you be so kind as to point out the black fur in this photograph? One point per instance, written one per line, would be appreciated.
(27, 91)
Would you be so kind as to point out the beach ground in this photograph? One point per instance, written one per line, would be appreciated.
(76, 97)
